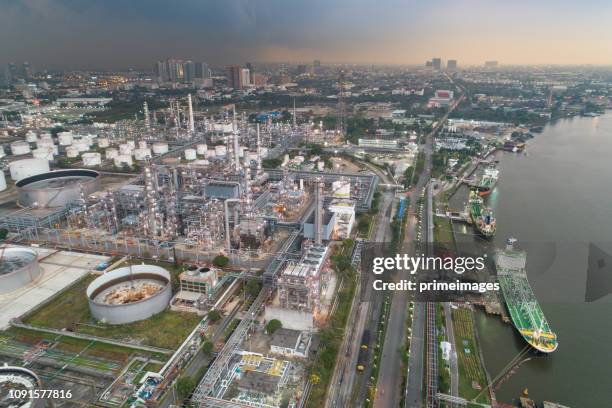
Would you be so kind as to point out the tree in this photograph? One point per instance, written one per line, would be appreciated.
(3, 233)
(221, 261)
(184, 386)
(252, 287)
(214, 316)
(207, 347)
(273, 325)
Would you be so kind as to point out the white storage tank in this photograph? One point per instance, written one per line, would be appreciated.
(190, 154)
(82, 145)
(142, 154)
(126, 148)
(43, 143)
(160, 148)
(122, 159)
(2, 181)
(72, 152)
(111, 153)
(31, 137)
(201, 149)
(220, 150)
(103, 142)
(43, 153)
(92, 159)
(20, 147)
(65, 138)
(28, 167)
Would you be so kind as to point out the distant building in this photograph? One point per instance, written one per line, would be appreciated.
(245, 77)
(292, 343)
(428, 64)
(233, 76)
(436, 63)
(491, 64)
(442, 98)
(173, 70)
(189, 71)
(201, 70)
(451, 65)
(378, 143)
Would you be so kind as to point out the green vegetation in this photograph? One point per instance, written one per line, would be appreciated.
(207, 347)
(375, 203)
(271, 163)
(221, 261)
(213, 316)
(415, 170)
(273, 325)
(472, 378)
(70, 311)
(3, 233)
(442, 231)
(184, 386)
(378, 347)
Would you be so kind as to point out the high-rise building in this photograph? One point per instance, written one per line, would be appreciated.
(233, 76)
(26, 70)
(201, 70)
(172, 70)
(245, 77)
(175, 70)
(161, 71)
(490, 64)
(451, 64)
(11, 73)
(436, 63)
(428, 64)
(189, 71)
(251, 68)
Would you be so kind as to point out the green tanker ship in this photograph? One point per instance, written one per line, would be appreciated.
(524, 309)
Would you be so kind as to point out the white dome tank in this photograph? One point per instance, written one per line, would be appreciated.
(2, 181)
(220, 150)
(31, 137)
(92, 159)
(122, 159)
(65, 138)
(201, 149)
(28, 167)
(160, 148)
(103, 142)
(43, 153)
(72, 152)
(142, 154)
(111, 153)
(20, 147)
(190, 154)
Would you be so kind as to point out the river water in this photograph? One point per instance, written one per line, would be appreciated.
(556, 199)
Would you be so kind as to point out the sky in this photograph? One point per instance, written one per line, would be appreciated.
(108, 34)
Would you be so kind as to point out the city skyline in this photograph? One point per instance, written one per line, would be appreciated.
(114, 35)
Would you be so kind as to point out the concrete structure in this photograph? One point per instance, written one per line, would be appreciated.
(291, 343)
(160, 148)
(57, 188)
(190, 154)
(18, 267)
(130, 294)
(19, 148)
(21, 169)
(344, 211)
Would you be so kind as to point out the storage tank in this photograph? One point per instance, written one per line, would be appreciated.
(82, 145)
(129, 294)
(220, 150)
(111, 153)
(131, 143)
(21, 169)
(57, 188)
(92, 159)
(25, 384)
(72, 152)
(18, 267)
(142, 154)
(2, 181)
(126, 148)
(31, 137)
(43, 153)
(190, 154)
(44, 143)
(201, 149)
(160, 148)
(122, 159)
(20, 147)
(65, 138)
(103, 142)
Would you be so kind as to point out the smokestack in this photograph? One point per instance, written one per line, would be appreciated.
(259, 169)
(145, 110)
(236, 151)
(294, 115)
(191, 123)
(318, 221)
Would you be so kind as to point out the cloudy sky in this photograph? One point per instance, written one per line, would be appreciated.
(131, 33)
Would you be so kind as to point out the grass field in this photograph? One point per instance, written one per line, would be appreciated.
(471, 372)
(442, 231)
(70, 310)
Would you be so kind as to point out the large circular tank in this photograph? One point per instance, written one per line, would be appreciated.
(220, 150)
(2, 181)
(92, 159)
(142, 154)
(201, 149)
(18, 267)
(57, 188)
(111, 153)
(45, 153)
(20, 147)
(122, 159)
(190, 154)
(21, 169)
(42, 143)
(160, 148)
(30, 136)
(130, 294)
(64, 138)
(19, 379)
